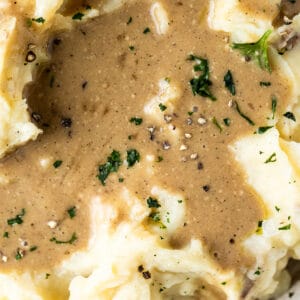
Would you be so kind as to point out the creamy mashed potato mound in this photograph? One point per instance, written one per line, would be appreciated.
(127, 256)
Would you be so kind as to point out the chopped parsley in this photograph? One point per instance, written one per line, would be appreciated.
(153, 203)
(257, 51)
(112, 165)
(6, 234)
(70, 241)
(39, 20)
(72, 212)
(121, 179)
(236, 106)
(290, 116)
(229, 83)
(129, 21)
(263, 129)
(47, 275)
(216, 123)
(286, 227)
(33, 248)
(259, 229)
(78, 16)
(160, 158)
(133, 156)
(146, 30)
(19, 255)
(271, 159)
(265, 83)
(200, 84)
(137, 121)
(274, 106)
(18, 219)
(258, 271)
(57, 164)
(277, 208)
(227, 122)
(162, 107)
(131, 48)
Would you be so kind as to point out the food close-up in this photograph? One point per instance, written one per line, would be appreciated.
(149, 149)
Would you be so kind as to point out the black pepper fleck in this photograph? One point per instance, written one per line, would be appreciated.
(66, 122)
(146, 275)
(206, 188)
(140, 268)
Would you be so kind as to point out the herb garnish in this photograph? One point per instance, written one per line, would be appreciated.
(200, 84)
(57, 164)
(277, 208)
(271, 159)
(39, 20)
(131, 48)
(216, 123)
(162, 107)
(78, 16)
(229, 83)
(263, 129)
(70, 241)
(112, 165)
(6, 234)
(33, 248)
(137, 121)
(258, 271)
(146, 30)
(265, 83)
(160, 158)
(133, 156)
(286, 227)
(129, 20)
(18, 219)
(259, 229)
(274, 106)
(227, 122)
(257, 51)
(236, 106)
(290, 116)
(19, 255)
(153, 203)
(72, 212)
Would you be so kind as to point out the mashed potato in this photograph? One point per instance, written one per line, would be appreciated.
(135, 260)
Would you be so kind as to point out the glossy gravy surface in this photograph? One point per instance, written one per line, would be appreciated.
(101, 75)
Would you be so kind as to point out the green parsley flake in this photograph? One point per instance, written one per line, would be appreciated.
(39, 20)
(72, 212)
(162, 107)
(229, 83)
(258, 51)
(227, 122)
(153, 203)
(19, 255)
(129, 21)
(6, 234)
(57, 164)
(259, 229)
(274, 106)
(131, 48)
(78, 16)
(160, 158)
(265, 83)
(112, 165)
(33, 248)
(18, 219)
(70, 241)
(290, 115)
(146, 30)
(236, 106)
(200, 84)
(286, 227)
(136, 120)
(133, 156)
(271, 159)
(216, 123)
(263, 129)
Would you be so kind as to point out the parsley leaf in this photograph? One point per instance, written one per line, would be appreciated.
(263, 129)
(229, 83)
(18, 219)
(39, 20)
(236, 106)
(290, 116)
(132, 157)
(137, 121)
(258, 51)
(153, 203)
(57, 164)
(200, 84)
(72, 212)
(70, 241)
(112, 165)
(78, 16)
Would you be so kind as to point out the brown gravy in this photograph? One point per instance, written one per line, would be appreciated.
(99, 83)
